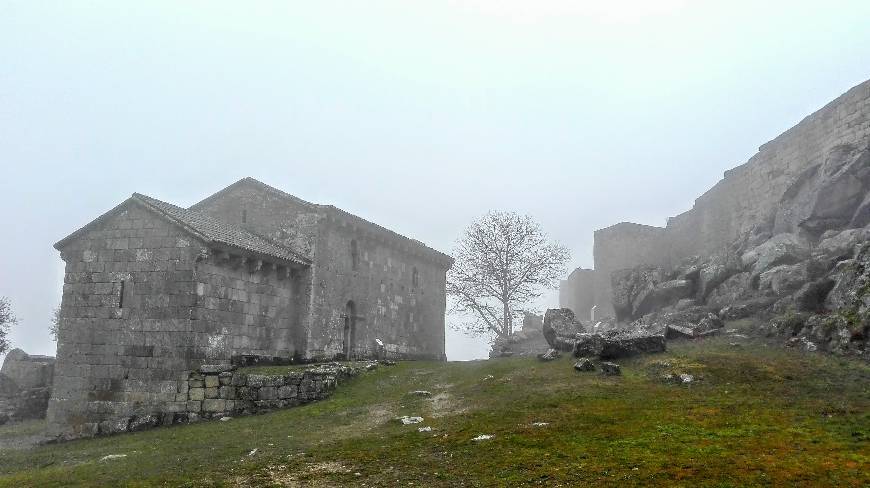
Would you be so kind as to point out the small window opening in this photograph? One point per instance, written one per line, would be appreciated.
(121, 294)
(415, 278)
(244, 216)
(354, 255)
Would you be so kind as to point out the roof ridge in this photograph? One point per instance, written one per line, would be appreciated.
(213, 229)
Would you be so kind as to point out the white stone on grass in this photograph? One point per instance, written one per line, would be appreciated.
(425, 429)
(540, 424)
(410, 420)
(111, 457)
(483, 437)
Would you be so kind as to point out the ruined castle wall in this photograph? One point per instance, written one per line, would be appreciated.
(748, 195)
(745, 200)
(622, 246)
(398, 296)
(578, 293)
(126, 334)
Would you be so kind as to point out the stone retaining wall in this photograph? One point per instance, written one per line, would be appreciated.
(217, 391)
(220, 391)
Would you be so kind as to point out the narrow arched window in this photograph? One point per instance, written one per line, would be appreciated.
(244, 216)
(354, 255)
(415, 278)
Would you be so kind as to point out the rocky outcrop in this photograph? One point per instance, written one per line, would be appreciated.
(528, 341)
(25, 385)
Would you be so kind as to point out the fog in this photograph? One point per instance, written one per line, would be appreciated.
(419, 116)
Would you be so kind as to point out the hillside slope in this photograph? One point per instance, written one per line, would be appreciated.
(753, 415)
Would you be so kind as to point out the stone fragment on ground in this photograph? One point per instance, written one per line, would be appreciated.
(540, 424)
(425, 429)
(483, 437)
(550, 355)
(112, 457)
(610, 369)
(584, 364)
(421, 393)
(406, 420)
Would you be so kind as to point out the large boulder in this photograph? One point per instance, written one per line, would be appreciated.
(645, 289)
(618, 344)
(631, 286)
(715, 272)
(733, 289)
(826, 196)
(784, 279)
(662, 295)
(841, 245)
(779, 249)
(560, 329)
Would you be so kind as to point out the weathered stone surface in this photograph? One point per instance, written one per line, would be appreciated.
(811, 296)
(842, 244)
(610, 369)
(560, 327)
(784, 279)
(733, 289)
(584, 364)
(528, 341)
(216, 368)
(550, 355)
(631, 287)
(631, 345)
(673, 332)
(588, 345)
(28, 371)
(212, 381)
(780, 249)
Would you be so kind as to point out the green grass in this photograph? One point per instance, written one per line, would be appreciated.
(755, 416)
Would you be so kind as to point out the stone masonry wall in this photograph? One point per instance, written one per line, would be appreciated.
(240, 312)
(407, 316)
(126, 333)
(398, 297)
(216, 391)
(748, 195)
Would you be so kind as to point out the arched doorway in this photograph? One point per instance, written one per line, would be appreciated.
(349, 330)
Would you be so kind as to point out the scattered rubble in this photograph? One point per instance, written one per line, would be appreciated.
(425, 429)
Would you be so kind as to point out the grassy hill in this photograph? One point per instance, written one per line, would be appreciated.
(753, 416)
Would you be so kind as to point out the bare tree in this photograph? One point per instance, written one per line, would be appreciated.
(6, 320)
(503, 262)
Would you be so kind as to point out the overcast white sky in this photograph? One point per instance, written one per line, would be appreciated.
(417, 115)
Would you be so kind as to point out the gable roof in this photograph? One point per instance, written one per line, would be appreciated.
(335, 212)
(208, 229)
